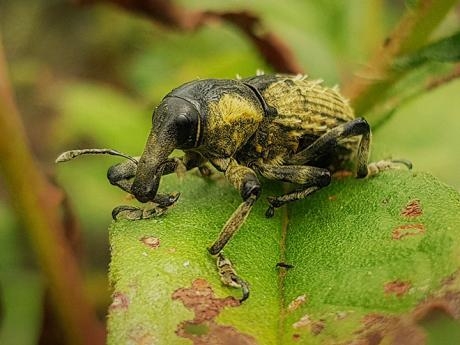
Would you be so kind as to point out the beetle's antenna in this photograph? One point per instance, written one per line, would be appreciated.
(69, 155)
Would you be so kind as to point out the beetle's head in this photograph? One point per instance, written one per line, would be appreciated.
(176, 124)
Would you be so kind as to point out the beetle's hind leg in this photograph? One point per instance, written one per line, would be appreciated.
(375, 168)
(330, 140)
(310, 178)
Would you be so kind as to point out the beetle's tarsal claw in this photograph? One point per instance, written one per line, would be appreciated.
(273, 203)
(270, 211)
(173, 197)
(181, 168)
(166, 200)
(137, 213)
(205, 171)
(396, 164)
(229, 277)
(405, 162)
(244, 288)
(148, 213)
(131, 212)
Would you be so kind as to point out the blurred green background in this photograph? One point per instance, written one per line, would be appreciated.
(90, 77)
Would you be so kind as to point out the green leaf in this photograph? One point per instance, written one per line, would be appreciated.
(369, 256)
(444, 50)
(411, 3)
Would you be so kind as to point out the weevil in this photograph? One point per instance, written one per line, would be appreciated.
(282, 127)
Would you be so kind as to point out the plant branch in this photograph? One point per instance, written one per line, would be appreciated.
(270, 46)
(437, 82)
(370, 85)
(392, 105)
(36, 202)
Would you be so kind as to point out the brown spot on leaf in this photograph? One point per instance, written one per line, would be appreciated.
(412, 209)
(449, 304)
(203, 329)
(296, 337)
(151, 241)
(317, 327)
(340, 315)
(407, 230)
(303, 322)
(378, 327)
(306, 322)
(140, 336)
(332, 197)
(201, 299)
(397, 287)
(119, 302)
(216, 335)
(406, 328)
(449, 280)
(296, 303)
(371, 319)
(374, 338)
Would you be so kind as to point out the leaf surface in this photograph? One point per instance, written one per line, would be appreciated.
(369, 256)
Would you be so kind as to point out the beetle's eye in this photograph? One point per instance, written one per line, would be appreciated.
(184, 129)
(182, 122)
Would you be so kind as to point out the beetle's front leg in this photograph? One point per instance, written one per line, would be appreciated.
(120, 175)
(189, 161)
(245, 180)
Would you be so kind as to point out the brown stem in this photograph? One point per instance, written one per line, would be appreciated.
(390, 105)
(437, 82)
(36, 202)
(370, 85)
(269, 45)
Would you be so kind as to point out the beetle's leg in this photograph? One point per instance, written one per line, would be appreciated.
(189, 161)
(205, 170)
(332, 138)
(136, 213)
(376, 167)
(229, 277)
(120, 175)
(310, 178)
(245, 180)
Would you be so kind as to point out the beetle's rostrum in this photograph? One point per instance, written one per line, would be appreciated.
(283, 127)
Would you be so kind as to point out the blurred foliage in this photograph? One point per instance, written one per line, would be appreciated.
(444, 50)
(90, 76)
(20, 286)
